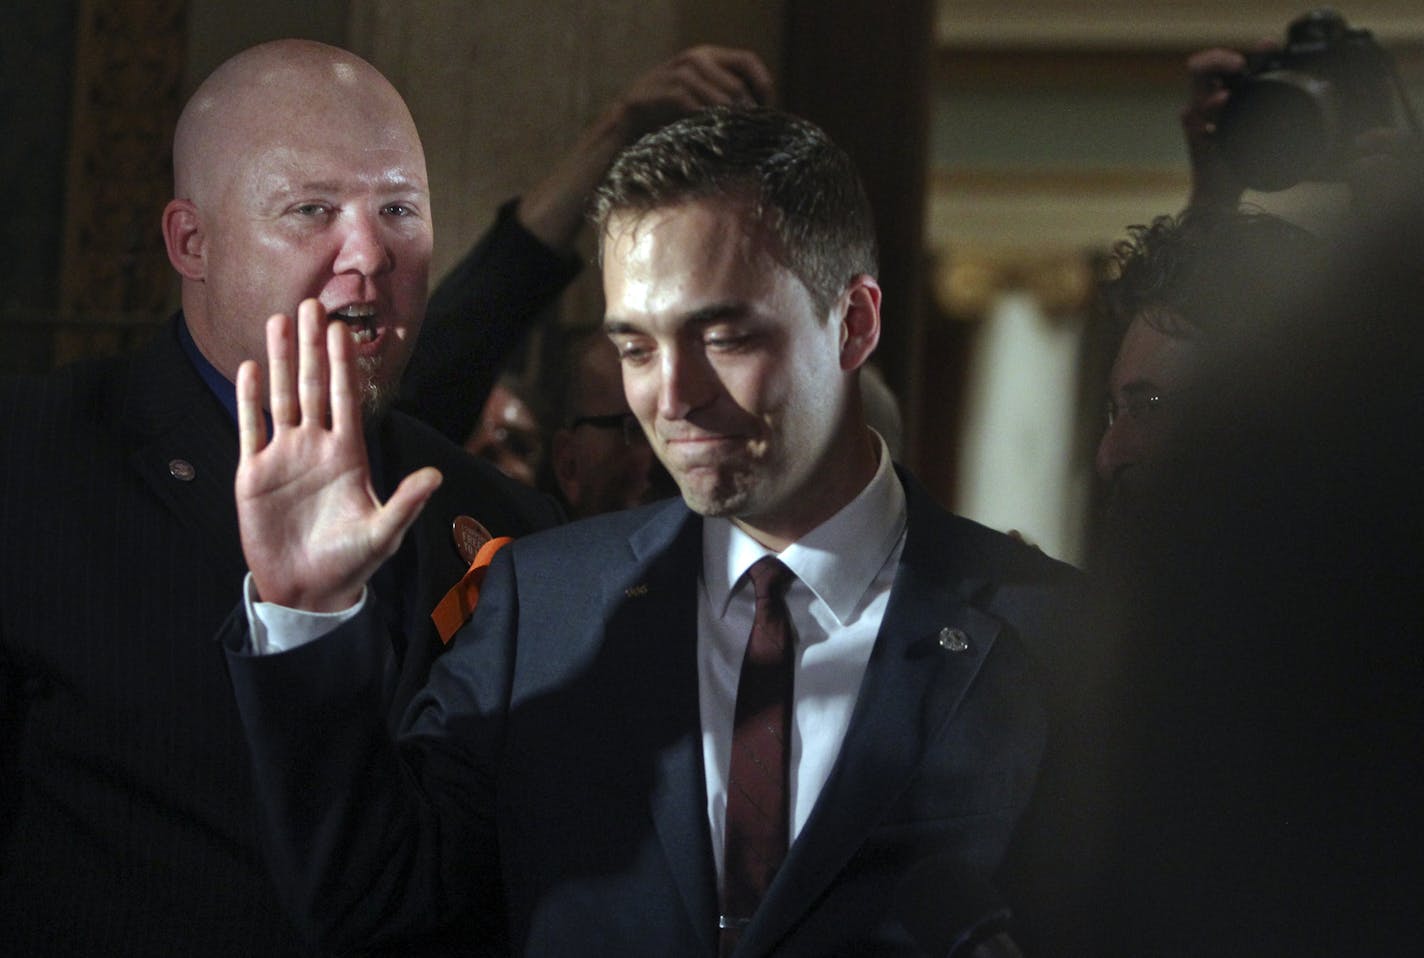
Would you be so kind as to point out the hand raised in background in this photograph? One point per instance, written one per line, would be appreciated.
(312, 528)
(695, 79)
(1214, 182)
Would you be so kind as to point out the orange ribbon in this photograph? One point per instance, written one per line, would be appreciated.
(459, 603)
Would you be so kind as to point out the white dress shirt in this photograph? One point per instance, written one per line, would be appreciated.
(844, 570)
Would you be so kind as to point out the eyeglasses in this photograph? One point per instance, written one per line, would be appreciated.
(624, 421)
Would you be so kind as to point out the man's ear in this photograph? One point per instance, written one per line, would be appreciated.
(183, 235)
(564, 460)
(860, 326)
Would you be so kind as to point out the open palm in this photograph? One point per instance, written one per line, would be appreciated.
(313, 530)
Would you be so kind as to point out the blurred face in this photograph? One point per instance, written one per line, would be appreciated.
(602, 460)
(509, 436)
(743, 388)
(333, 206)
(1151, 372)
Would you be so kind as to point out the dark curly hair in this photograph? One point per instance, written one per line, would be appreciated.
(1207, 269)
(803, 188)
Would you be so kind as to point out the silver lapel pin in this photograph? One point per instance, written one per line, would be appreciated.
(953, 640)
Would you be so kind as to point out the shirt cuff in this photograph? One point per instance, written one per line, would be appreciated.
(276, 628)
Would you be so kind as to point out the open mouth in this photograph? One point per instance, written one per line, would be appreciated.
(360, 319)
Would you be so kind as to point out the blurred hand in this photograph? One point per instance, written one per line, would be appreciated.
(695, 79)
(312, 529)
(1214, 183)
(701, 77)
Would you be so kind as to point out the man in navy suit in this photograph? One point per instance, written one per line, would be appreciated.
(565, 777)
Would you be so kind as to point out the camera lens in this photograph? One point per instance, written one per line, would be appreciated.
(1276, 129)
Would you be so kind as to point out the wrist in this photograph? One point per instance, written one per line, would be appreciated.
(553, 210)
(320, 602)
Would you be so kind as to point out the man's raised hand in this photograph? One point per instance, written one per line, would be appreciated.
(313, 531)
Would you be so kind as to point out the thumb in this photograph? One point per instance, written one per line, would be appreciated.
(396, 516)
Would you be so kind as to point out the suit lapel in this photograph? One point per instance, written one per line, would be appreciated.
(183, 445)
(660, 613)
(426, 566)
(912, 687)
(435, 566)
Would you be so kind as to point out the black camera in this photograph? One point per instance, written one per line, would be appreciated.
(1294, 113)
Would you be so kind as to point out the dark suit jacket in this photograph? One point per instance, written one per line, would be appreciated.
(128, 822)
(478, 316)
(550, 777)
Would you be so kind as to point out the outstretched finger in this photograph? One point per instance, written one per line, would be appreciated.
(1207, 70)
(345, 400)
(311, 362)
(251, 429)
(280, 347)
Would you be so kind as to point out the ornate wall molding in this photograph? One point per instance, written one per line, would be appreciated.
(969, 280)
(1014, 227)
(1143, 24)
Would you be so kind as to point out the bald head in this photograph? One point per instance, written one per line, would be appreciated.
(262, 95)
(298, 173)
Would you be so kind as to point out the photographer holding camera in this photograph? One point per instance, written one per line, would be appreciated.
(1252, 783)
(1327, 105)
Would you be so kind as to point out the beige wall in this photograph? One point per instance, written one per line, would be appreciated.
(500, 89)
(216, 29)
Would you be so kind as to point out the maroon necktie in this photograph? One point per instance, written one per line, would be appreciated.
(758, 813)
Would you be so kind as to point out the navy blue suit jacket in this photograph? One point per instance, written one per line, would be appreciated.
(549, 780)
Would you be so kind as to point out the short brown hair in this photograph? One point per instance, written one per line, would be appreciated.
(803, 188)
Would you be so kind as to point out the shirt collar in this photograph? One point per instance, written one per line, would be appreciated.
(216, 382)
(838, 560)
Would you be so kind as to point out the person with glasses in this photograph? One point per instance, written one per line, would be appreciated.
(1181, 282)
(1258, 786)
(601, 461)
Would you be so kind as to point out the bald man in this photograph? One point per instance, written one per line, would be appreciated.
(126, 819)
